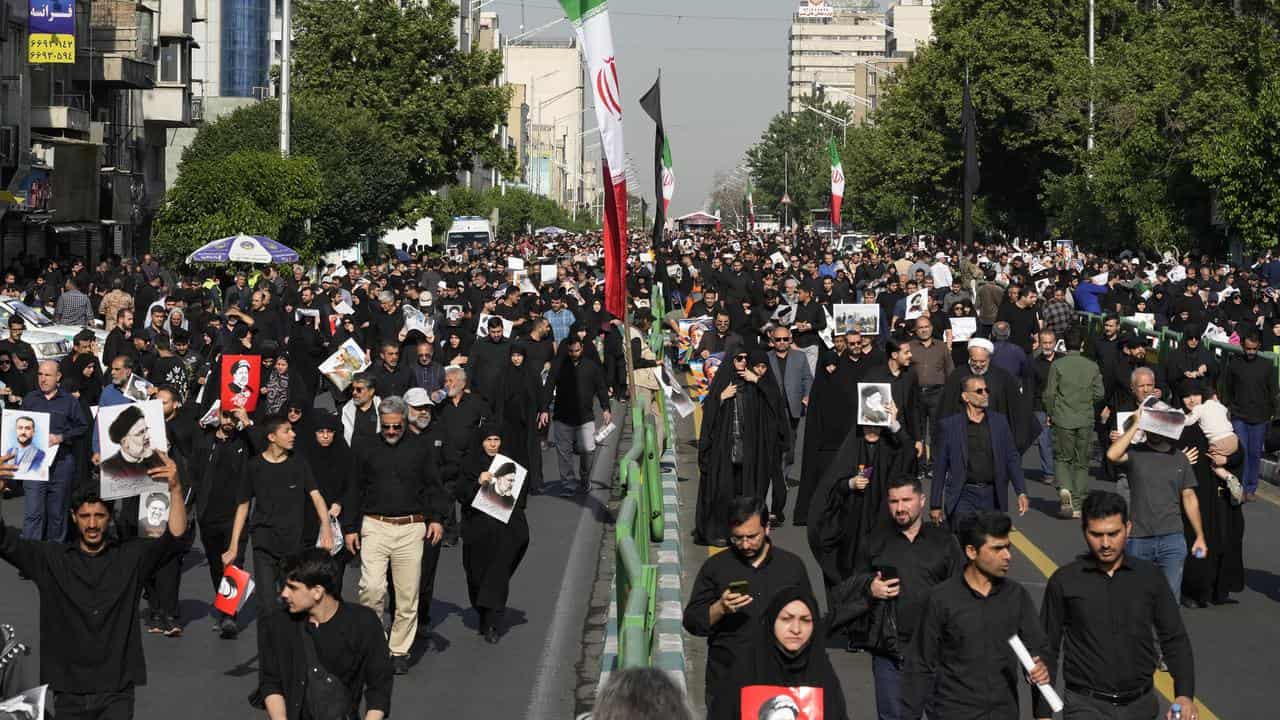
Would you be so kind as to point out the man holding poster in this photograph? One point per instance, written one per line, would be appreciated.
(46, 502)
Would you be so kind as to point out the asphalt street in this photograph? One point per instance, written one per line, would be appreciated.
(531, 673)
(1234, 644)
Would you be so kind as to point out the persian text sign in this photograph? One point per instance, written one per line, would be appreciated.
(51, 30)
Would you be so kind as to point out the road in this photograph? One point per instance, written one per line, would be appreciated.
(1233, 643)
(533, 667)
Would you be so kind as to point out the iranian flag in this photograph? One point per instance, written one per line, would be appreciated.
(590, 20)
(668, 176)
(837, 184)
(751, 206)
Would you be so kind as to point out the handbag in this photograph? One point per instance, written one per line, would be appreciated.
(325, 697)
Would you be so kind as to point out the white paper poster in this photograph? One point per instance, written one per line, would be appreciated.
(130, 438)
(497, 498)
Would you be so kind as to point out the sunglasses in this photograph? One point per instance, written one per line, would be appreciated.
(979, 391)
(393, 426)
(782, 339)
(739, 358)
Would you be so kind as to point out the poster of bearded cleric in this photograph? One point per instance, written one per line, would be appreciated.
(239, 385)
(131, 441)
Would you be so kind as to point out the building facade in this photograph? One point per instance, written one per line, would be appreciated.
(828, 41)
(83, 143)
(551, 147)
(910, 27)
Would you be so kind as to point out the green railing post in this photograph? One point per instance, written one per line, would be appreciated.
(653, 481)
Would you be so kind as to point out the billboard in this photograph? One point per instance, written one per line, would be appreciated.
(51, 31)
(815, 9)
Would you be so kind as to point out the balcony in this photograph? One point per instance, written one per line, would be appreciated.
(167, 106)
(123, 72)
(60, 117)
(176, 17)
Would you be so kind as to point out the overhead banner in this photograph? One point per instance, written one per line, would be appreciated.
(815, 9)
(51, 30)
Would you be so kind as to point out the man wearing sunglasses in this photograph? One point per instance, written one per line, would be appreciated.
(975, 460)
(400, 497)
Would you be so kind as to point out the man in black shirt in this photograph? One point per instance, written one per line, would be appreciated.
(399, 494)
(218, 462)
(577, 380)
(733, 588)
(90, 637)
(342, 639)
(959, 665)
(283, 486)
(895, 570)
(1102, 608)
(390, 376)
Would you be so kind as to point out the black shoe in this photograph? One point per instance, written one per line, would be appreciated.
(491, 636)
(154, 623)
(400, 664)
(169, 626)
(256, 700)
(227, 628)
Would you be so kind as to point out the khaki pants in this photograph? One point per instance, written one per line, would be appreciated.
(1071, 450)
(399, 546)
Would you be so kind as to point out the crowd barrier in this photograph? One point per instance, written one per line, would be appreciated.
(1164, 341)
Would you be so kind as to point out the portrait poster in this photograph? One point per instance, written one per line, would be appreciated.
(240, 382)
(785, 315)
(498, 498)
(773, 702)
(482, 329)
(25, 436)
(873, 399)
(29, 705)
(344, 364)
(698, 383)
(963, 328)
(415, 320)
(689, 332)
(863, 317)
(548, 274)
(234, 591)
(673, 389)
(917, 304)
(130, 440)
(153, 512)
(453, 314)
(709, 368)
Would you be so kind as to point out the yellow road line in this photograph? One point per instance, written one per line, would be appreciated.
(1046, 566)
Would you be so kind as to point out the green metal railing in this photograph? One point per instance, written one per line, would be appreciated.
(640, 524)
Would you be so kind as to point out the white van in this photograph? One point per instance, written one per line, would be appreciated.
(468, 231)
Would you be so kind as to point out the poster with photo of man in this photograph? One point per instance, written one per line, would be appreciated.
(153, 513)
(240, 382)
(25, 436)
(131, 441)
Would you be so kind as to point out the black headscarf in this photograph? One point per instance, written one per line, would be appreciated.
(769, 663)
(333, 466)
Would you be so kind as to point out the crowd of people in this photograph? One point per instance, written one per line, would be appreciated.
(895, 438)
(428, 435)
(893, 387)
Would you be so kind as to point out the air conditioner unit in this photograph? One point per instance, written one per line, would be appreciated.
(8, 145)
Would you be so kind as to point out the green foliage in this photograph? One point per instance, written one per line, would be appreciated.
(366, 174)
(248, 191)
(399, 61)
(792, 157)
(1241, 164)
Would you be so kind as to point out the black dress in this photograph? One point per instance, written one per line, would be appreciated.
(516, 405)
(491, 550)
(756, 415)
(828, 420)
(1221, 570)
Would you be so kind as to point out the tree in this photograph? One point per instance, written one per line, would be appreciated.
(366, 173)
(400, 62)
(792, 158)
(248, 191)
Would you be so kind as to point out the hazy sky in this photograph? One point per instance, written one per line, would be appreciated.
(724, 72)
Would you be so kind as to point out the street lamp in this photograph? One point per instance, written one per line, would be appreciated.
(1089, 141)
(844, 124)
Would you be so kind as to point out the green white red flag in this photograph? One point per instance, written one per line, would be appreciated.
(837, 184)
(590, 20)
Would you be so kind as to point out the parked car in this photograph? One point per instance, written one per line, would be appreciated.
(50, 340)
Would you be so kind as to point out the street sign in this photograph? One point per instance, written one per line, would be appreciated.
(786, 199)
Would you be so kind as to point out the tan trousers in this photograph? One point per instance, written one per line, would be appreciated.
(400, 546)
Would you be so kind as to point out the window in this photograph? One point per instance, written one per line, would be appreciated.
(170, 62)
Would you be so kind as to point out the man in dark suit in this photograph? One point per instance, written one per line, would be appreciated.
(795, 377)
(975, 460)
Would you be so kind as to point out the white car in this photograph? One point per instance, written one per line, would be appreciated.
(50, 340)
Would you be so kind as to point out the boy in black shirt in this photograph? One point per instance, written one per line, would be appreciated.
(346, 639)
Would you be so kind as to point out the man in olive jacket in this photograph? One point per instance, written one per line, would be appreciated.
(1073, 388)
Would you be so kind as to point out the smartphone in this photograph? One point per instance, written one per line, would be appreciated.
(741, 587)
(888, 572)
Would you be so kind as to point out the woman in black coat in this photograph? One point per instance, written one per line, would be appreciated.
(1221, 571)
(491, 549)
(787, 668)
(516, 407)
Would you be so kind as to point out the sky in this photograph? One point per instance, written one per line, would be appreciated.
(724, 74)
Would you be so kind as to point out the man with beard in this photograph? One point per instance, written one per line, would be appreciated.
(90, 638)
(390, 376)
(793, 374)
(959, 664)
(488, 358)
(851, 499)
(46, 502)
(460, 416)
(896, 568)
(400, 496)
(733, 588)
(423, 429)
(898, 371)
(1005, 396)
(975, 460)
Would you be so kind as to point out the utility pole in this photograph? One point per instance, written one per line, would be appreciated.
(1089, 142)
(786, 189)
(286, 41)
